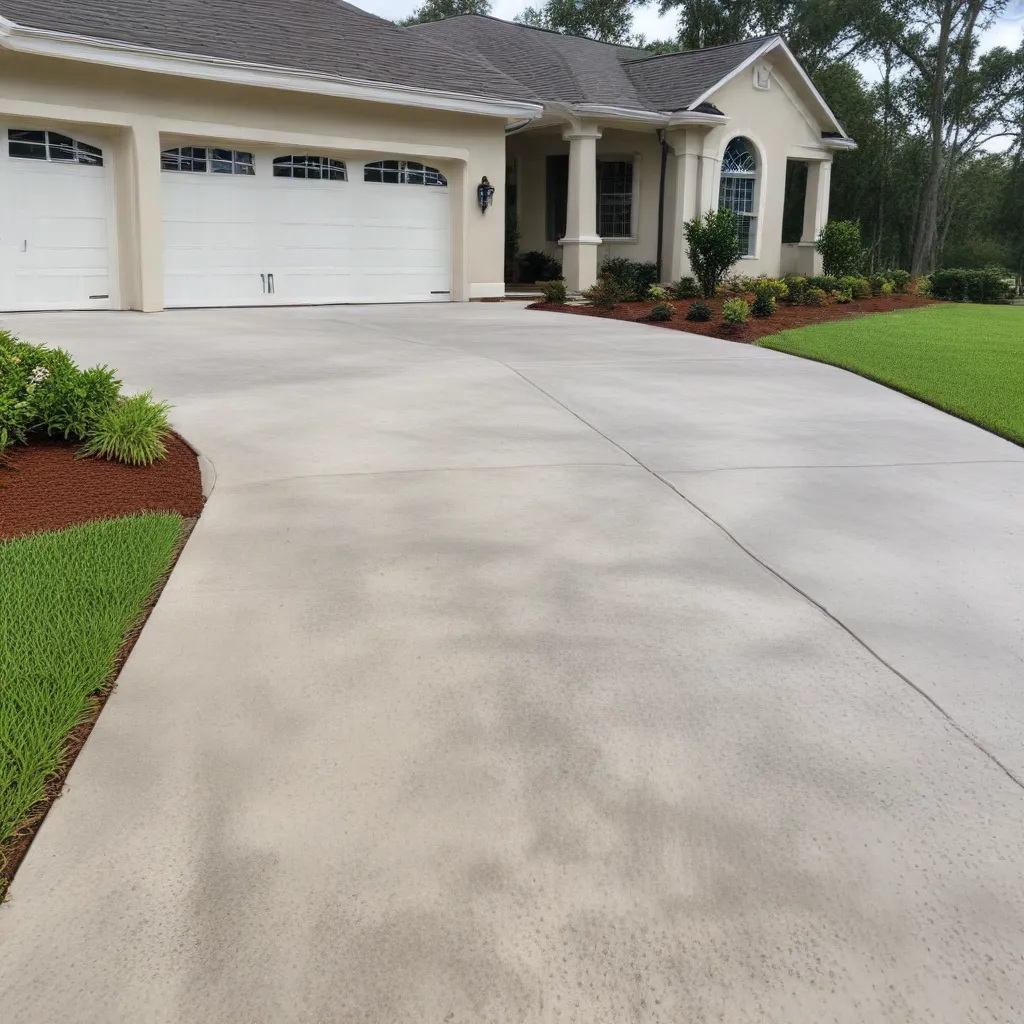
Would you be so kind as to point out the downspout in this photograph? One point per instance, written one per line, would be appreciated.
(661, 195)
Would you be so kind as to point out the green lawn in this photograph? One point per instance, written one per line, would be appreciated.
(67, 599)
(965, 359)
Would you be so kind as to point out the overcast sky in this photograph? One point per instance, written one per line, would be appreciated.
(648, 22)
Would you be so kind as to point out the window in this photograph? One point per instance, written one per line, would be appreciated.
(317, 168)
(199, 160)
(615, 198)
(736, 192)
(403, 172)
(33, 144)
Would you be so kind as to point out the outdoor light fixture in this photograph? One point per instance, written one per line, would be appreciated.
(484, 193)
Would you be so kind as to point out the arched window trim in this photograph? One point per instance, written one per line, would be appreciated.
(403, 172)
(310, 167)
(54, 147)
(207, 159)
(740, 188)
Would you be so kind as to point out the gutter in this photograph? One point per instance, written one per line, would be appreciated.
(69, 46)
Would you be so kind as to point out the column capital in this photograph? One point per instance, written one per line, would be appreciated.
(581, 131)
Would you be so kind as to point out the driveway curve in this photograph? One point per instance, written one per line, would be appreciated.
(534, 668)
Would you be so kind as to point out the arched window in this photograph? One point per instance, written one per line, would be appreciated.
(737, 191)
(316, 168)
(199, 160)
(35, 144)
(403, 172)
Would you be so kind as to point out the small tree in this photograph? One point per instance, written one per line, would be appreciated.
(840, 248)
(713, 247)
(438, 10)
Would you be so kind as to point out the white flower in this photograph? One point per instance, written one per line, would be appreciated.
(38, 375)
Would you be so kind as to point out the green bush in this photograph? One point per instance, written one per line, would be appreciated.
(987, 285)
(778, 288)
(901, 281)
(815, 297)
(132, 431)
(538, 266)
(633, 278)
(826, 284)
(685, 288)
(657, 293)
(735, 311)
(796, 288)
(887, 289)
(764, 302)
(606, 294)
(876, 281)
(699, 311)
(840, 248)
(713, 247)
(858, 287)
(661, 313)
(554, 292)
(843, 295)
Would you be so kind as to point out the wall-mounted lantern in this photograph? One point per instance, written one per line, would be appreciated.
(484, 193)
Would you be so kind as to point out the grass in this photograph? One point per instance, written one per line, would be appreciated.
(67, 601)
(967, 360)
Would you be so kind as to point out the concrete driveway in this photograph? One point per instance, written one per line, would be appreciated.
(532, 668)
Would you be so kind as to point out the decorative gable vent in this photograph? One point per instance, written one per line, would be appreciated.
(762, 76)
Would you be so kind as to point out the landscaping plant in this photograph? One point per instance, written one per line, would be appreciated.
(764, 302)
(713, 248)
(827, 284)
(685, 288)
(661, 313)
(842, 296)
(877, 282)
(815, 297)
(535, 265)
(699, 311)
(840, 248)
(901, 281)
(131, 431)
(606, 294)
(796, 289)
(657, 293)
(633, 279)
(735, 312)
(554, 292)
(988, 285)
(886, 289)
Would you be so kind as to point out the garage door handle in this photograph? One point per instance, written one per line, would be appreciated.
(263, 278)
(270, 281)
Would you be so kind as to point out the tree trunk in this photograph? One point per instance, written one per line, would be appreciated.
(927, 228)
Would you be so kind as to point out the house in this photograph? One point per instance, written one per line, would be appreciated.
(217, 152)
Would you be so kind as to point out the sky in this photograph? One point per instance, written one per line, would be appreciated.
(649, 23)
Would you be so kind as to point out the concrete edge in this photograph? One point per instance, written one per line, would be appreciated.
(207, 470)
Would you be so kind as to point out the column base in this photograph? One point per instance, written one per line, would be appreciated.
(579, 262)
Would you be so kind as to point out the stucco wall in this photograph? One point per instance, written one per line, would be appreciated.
(136, 113)
(530, 148)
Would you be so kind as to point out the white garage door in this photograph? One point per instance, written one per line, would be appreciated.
(268, 227)
(54, 212)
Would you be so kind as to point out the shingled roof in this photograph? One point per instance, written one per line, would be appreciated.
(327, 37)
(573, 69)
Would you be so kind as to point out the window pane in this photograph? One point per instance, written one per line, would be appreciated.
(26, 144)
(615, 198)
(219, 166)
(89, 154)
(62, 147)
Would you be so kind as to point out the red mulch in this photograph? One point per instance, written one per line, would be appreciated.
(45, 486)
(784, 318)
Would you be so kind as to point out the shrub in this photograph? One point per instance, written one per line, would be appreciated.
(713, 247)
(988, 285)
(826, 284)
(858, 287)
(699, 311)
(685, 288)
(815, 297)
(735, 312)
(634, 279)
(736, 284)
(876, 281)
(554, 292)
(796, 288)
(843, 295)
(606, 294)
(901, 281)
(661, 313)
(840, 248)
(924, 286)
(887, 289)
(538, 266)
(657, 293)
(131, 431)
(764, 302)
(779, 289)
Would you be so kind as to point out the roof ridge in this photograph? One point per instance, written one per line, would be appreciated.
(533, 28)
(703, 49)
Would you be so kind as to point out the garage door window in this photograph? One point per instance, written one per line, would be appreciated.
(316, 168)
(199, 160)
(34, 144)
(403, 172)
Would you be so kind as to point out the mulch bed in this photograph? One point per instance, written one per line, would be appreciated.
(783, 319)
(44, 485)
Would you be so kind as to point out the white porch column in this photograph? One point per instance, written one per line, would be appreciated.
(579, 246)
(819, 185)
(682, 195)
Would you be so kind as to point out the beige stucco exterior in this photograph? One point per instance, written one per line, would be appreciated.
(134, 114)
(778, 121)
